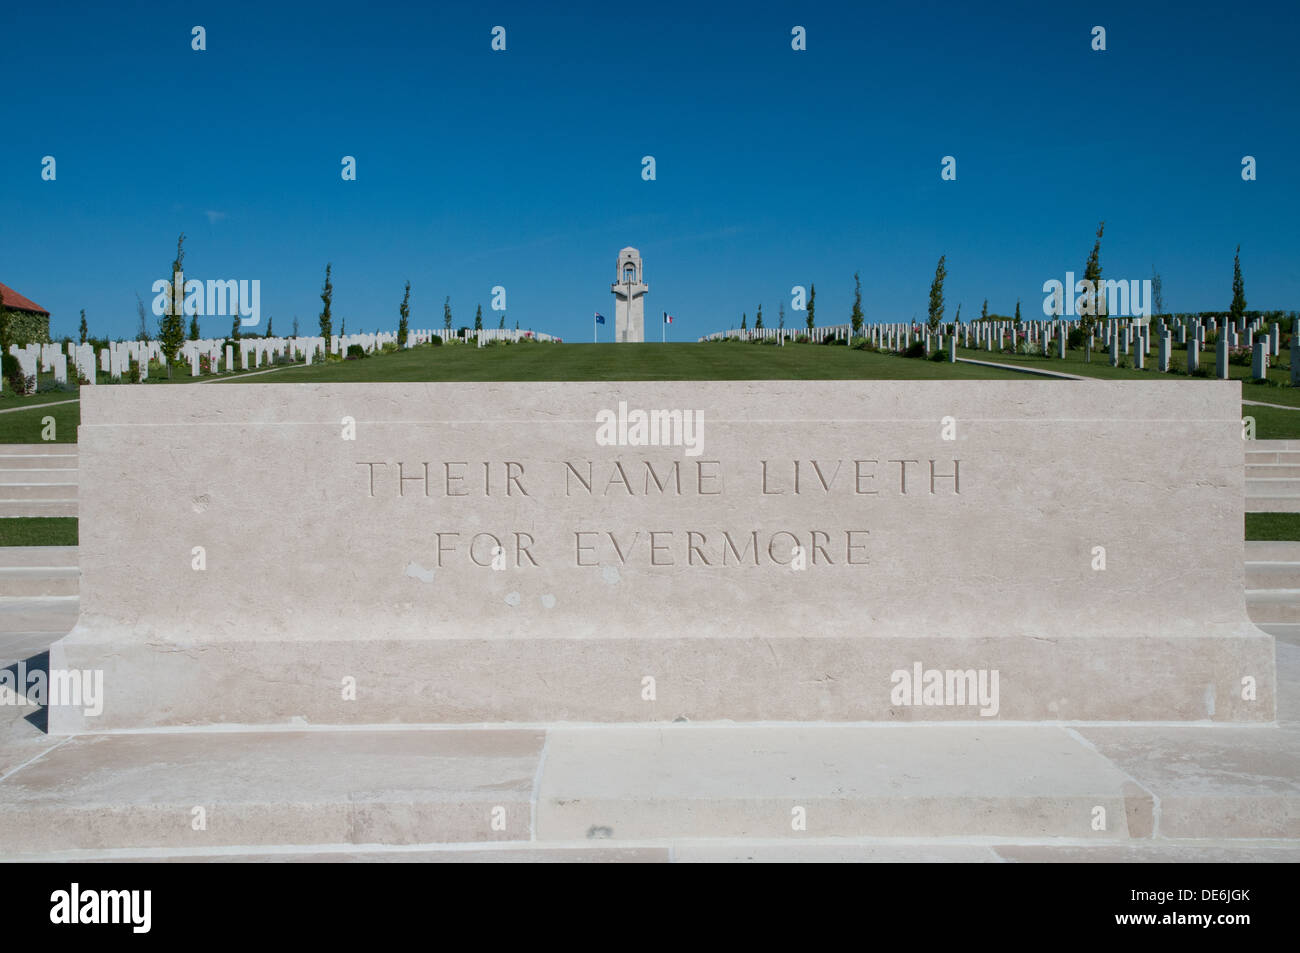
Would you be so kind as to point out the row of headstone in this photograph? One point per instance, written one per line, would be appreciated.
(117, 359)
(1121, 337)
(514, 334)
(781, 335)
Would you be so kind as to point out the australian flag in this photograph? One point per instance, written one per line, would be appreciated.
(600, 318)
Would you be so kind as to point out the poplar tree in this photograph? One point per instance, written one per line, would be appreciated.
(403, 322)
(812, 305)
(171, 327)
(143, 333)
(935, 317)
(478, 319)
(85, 331)
(1092, 274)
(446, 314)
(855, 317)
(758, 320)
(1238, 309)
(326, 317)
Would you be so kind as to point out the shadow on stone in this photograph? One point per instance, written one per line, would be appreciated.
(39, 719)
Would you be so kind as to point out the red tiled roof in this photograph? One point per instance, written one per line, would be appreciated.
(12, 299)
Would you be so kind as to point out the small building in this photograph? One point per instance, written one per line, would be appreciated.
(29, 323)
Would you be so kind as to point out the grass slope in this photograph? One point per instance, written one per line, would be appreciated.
(656, 362)
(624, 362)
(38, 531)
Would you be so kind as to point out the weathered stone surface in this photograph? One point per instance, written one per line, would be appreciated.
(685, 781)
(1232, 782)
(285, 787)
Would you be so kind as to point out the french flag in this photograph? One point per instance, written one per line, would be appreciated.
(668, 318)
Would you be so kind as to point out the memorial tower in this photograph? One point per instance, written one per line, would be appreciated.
(629, 298)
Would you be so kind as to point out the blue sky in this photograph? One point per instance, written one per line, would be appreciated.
(523, 169)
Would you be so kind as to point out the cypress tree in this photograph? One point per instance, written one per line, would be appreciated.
(855, 317)
(1238, 309)
(403, 321)
(935, 317)
(1092, 274)
(326, 316)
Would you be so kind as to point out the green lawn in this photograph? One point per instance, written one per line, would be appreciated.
(24, 426)
(8, 400)
(1277, 391)
(1273, 526)
(684, 361)
(623, 362)
(38, 531)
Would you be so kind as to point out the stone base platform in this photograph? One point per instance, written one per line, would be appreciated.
(254, 683)
(689, 791)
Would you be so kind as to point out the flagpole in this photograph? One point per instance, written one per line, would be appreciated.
(663, 329)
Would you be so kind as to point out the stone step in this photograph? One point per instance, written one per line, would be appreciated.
(39, 580)
(367, 790)
(38, 475)
(1272, 486)
(1269, 550)
(17, 646)
(54, 614)
(54, 492)
(1271, 458)
(1288, 632)
(33, 556)
(1275, 446)
(49, 448)
(633, 783)
(37, 461)
(811, 850)
(31, 508)
(1272, 575)
(1273, 605)
(1273, 504)
(271, 788)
